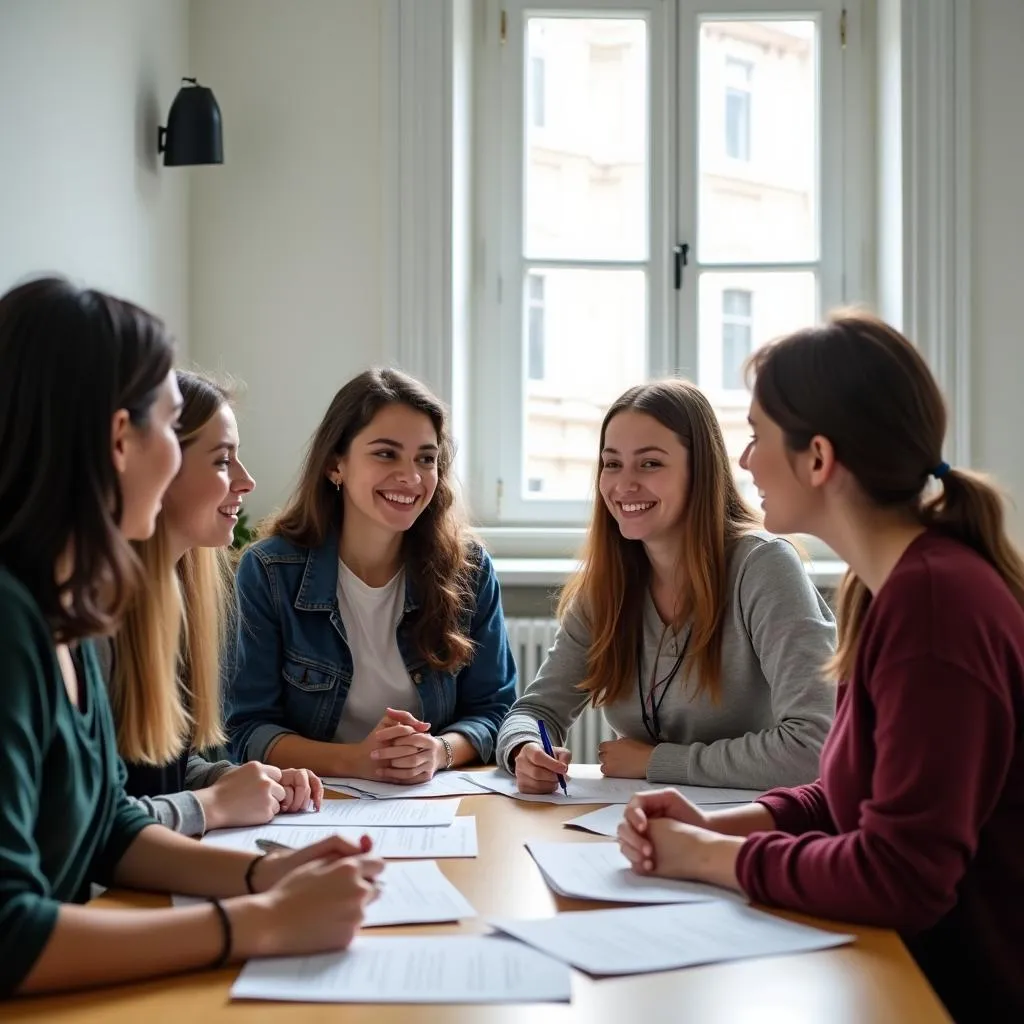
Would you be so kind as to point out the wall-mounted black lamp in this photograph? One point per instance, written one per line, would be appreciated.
(194, 133)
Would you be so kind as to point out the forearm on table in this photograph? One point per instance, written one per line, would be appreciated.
(463, 752)
(90, 946)
(741, 821)
(331, 760)
(160, 860)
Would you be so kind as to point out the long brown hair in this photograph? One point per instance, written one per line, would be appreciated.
(862, 385)
(165, 687)
(609, 589)
(435, 548)
(70, 358)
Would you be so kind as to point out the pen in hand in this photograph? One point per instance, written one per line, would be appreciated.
(272, 846)
(550, 752)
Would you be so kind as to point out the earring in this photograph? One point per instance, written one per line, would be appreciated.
(337, 485)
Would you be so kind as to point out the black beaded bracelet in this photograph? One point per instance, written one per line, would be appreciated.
(229, 939)
(249, 870)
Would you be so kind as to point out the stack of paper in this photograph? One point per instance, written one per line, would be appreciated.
(598, 871)
(641, 939)
(442, 784)
(432, 969)
(365, 813)
(389, 842)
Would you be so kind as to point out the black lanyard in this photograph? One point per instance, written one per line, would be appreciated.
(652, 721)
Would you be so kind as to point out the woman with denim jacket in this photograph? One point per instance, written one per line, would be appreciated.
(371, 641)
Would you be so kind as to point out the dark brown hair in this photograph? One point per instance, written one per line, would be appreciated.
(615, 573)
(69, 360)
(435, 548)
(862, 385)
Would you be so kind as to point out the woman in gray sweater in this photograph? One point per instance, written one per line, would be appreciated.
(700, 636)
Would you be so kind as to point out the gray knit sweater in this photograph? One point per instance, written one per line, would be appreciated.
(775, 705)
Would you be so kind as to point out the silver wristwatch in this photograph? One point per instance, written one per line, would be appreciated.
(449, 754)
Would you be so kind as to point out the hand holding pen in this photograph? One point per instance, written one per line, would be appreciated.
(272, 869)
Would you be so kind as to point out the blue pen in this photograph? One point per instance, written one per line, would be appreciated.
(550, 752)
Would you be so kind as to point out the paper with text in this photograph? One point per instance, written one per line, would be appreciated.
(389, 842)
(640, 939)
(364, 813)
(599, 871)
(414, 892)
(399, 969)
(442, 784)
(583, 788)
(587, 785)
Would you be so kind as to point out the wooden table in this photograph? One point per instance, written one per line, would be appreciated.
(871, 982)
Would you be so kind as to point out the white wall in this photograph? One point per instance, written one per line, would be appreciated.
(83, 87)
(997, 124)
(285, 251)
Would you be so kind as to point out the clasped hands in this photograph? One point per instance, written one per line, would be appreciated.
(663, 834)
(400, 749)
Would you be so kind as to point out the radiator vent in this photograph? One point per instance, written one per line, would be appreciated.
(531, 639)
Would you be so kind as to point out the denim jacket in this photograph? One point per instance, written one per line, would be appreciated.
(292, 667)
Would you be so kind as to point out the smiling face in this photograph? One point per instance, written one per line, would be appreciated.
(389, 474)
(203, 502)
(645, 477)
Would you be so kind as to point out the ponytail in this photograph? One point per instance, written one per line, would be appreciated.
(970, 509)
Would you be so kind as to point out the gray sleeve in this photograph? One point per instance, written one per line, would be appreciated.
(180, 812)
(200, 773)
(793, 634)
(552, 696)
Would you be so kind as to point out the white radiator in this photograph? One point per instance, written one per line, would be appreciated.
(531, 639)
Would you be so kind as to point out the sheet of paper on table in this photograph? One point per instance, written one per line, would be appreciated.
(442, 784)
(400, 969)
(365, 813)
(390, 842)
(587, 785)
(599, 871)
(414, 892)
(640, 939)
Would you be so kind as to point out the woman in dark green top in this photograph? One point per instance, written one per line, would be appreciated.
(88, 410)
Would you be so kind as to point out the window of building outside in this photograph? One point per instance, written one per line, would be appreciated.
(535, 326)
(737, 335)
(593, 194)
(537, 91)
(738, 74)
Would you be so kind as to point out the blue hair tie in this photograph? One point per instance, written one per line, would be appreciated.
(940, 470)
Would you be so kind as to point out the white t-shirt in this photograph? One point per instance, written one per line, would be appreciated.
(380, 679)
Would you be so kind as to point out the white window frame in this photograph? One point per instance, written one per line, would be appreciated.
(497, 461)
(438, 58)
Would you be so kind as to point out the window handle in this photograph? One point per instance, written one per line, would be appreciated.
(680, 258)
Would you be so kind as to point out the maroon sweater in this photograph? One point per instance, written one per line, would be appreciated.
(917, 821)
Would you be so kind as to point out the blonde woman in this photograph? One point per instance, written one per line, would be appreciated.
(165, 672)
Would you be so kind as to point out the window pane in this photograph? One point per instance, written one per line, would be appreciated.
(586, 138)
(758, 117)
(594, 339)
(738, 313)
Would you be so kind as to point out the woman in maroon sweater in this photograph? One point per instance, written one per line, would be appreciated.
(917, 820)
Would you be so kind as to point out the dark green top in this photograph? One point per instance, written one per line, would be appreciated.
(65, 820)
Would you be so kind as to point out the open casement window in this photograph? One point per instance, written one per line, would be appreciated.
(665, 192)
